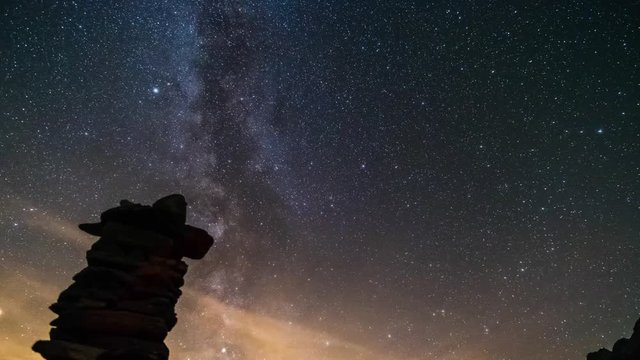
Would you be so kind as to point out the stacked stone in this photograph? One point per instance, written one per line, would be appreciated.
(121, 306)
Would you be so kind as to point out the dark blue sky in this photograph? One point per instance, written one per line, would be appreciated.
(435, 179)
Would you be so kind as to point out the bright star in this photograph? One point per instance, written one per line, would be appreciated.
(600, 131)
(155, 90)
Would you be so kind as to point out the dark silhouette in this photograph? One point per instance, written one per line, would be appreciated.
(623, 349)
(121, 306)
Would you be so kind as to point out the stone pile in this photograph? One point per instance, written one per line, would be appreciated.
(121, 306)
(623, 349)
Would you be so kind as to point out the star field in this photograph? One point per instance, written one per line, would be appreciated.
(385, 180)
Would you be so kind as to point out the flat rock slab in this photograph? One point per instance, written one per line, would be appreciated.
(63, 350)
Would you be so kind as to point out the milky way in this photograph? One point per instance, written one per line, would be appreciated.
(385, 180)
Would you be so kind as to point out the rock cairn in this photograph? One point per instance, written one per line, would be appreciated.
(121, 306)
(623, 349)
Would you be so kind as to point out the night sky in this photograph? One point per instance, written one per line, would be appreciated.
(448, 180)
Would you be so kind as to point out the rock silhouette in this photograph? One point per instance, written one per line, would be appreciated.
(121, 306)
(623, 349)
